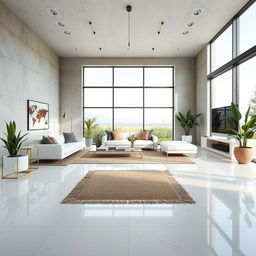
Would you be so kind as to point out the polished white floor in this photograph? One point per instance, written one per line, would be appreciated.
(222, 222)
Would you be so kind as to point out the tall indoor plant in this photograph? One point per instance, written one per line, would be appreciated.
(246, 131)
(187, 122)
(14, 161)
(90, 125)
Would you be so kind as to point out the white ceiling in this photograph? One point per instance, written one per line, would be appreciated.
(109, 19)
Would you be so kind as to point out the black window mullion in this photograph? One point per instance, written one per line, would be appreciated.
(113, 100)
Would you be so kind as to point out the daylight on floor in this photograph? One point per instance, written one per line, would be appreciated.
(128, 128)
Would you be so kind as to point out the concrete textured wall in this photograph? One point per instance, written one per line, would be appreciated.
(71, 85)
(202, 95)
(29, 69)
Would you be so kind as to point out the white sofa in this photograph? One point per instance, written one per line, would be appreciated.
(59, 151)
(146, 144)
(178, 147)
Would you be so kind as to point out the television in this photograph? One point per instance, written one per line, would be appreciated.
(219, 124)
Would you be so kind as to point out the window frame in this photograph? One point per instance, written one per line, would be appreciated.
(143, 87)
(236, 60)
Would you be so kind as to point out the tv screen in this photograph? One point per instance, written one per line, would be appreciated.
(219, 125)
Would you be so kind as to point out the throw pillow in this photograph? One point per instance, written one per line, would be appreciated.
(69, 137)
(109, 135)
(150, 134)
(46, 140)
(143, 136)
(117, 136)
(54, 141)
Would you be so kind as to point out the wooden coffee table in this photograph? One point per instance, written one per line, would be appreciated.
(128, 151)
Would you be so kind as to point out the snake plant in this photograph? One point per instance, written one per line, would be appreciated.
(13, 141)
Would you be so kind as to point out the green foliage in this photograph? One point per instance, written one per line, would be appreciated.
(90, 126)
(132, 138)
(13, 141)
(187, 121)
(246, 130)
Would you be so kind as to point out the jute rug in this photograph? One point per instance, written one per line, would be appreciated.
(128, 187)
(150, 157)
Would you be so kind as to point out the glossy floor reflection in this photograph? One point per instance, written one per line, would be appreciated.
(222, 222)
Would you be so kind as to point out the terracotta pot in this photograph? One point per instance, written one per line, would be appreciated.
(98, 141)
(243, 155)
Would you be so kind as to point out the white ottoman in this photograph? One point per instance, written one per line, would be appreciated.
(178, 147)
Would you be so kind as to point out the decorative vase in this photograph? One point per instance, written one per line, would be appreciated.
(98, 141)
(132, 145)
(88, 142)
(187, 138)
(243, 155)
(17, 163)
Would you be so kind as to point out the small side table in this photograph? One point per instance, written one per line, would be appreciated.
(33, 162)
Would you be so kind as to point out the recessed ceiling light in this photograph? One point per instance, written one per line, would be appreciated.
(197, 12)
(53, 12)
(153, 49)
(61, 24)
(100, 48)
(190, 24)
(67, 32)
(185, 32)
(76, 49)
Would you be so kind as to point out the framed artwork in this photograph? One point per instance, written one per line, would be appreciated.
(38, 115)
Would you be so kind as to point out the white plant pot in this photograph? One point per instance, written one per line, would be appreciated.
(17, 163)
(88, 142)
(187, 138)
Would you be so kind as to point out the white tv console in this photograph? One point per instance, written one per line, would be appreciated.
(219, 145)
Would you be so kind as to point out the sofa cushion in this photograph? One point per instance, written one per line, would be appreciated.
(124, 143)
(149, 134)
(143, 143)
(69, 137)
(60, 139)
(109, 135)
(46, 140)
(178, 146)
(117, 135)
(54, 141)
(142, 136)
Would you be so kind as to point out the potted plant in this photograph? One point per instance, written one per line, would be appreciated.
(14, 161)
(132, 139)
(243, 153)
(90, 124)
(187, 122)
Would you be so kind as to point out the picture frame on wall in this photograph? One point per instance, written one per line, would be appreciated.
(37, 115)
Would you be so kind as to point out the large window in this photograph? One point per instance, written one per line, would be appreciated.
(130, 98)
(233, 62)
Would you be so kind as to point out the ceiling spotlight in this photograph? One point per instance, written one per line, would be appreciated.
(197, 12)
(67, 32)
(76, 49)
(153, 49)
(93, 31)
(100, 48)
(61, 24)
(185, 32)
(190, 24)
(53, 12)
(129, 9)
(161, 25)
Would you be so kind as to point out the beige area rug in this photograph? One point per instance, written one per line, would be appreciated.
(150, 157)
(128, 187)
